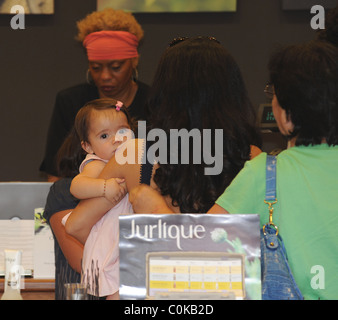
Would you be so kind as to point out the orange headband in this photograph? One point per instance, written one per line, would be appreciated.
(111, 45)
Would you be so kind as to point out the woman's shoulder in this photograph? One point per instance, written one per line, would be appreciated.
(258, 160)
(131, 152)
(254, 168)
(130, 160)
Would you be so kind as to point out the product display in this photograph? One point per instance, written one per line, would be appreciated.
(190, 256)
(12, 275)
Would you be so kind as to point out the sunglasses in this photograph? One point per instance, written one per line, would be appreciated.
(180, 39)
(269, 90)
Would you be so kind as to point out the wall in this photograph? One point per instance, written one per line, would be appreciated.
(43, 58)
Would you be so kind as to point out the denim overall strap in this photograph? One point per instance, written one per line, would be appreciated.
(270, 193)
(277, 279)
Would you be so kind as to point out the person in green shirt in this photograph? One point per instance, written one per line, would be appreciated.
(304, 92)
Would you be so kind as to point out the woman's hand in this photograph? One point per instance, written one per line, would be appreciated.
(147, 200)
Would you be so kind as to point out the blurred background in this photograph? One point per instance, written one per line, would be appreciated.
(44, 58)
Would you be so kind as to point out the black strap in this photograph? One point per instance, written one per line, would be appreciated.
(146, 166)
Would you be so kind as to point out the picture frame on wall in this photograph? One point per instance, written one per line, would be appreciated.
(29, 6)
(154, 6)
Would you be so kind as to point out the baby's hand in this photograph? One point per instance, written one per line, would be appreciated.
(115, 190)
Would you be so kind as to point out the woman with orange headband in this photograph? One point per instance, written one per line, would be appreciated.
(111, 39)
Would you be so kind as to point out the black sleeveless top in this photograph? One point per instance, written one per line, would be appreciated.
(146, 166)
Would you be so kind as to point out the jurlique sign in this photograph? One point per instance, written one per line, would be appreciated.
(163, 231)
(189, 254)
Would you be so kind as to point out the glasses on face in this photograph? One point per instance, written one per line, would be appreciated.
(269, 91)
(180, 39)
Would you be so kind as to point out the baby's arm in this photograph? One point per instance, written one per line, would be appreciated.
(89, 211)
(86, 184)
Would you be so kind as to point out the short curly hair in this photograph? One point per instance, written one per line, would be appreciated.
(109, 19)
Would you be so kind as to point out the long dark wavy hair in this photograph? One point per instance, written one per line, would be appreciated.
(199, 85)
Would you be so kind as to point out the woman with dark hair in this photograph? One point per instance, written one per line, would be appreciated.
(199, 86)
(203, 90)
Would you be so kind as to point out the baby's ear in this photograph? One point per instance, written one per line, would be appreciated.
(86, 147)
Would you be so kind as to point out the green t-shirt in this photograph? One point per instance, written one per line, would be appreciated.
(306, 212)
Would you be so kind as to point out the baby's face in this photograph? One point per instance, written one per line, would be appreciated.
(108, 129)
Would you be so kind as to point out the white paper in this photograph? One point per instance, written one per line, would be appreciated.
(44, 261)
(17, 235)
